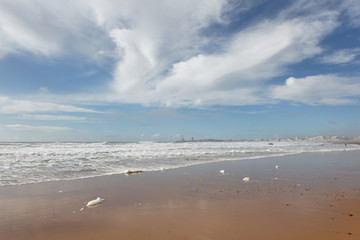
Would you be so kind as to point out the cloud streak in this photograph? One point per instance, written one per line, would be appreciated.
(52, 117)
(16, 106)
(21, 127)
(341, 56)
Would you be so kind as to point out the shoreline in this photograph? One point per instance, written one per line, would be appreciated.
(275, 155)
(310, 195)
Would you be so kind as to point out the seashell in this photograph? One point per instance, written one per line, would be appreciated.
(95, 202)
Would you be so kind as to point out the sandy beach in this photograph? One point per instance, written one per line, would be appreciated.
(309, 196)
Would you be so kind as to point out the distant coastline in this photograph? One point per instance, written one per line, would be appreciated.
(333, 139)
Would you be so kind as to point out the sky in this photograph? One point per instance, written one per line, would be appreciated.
(144, 70)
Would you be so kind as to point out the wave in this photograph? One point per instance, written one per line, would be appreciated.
(23, 163)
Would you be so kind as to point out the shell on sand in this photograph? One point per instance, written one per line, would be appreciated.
(246, 179)
(95, 202)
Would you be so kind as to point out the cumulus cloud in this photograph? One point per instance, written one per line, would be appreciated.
(15, 106)
(320, 89)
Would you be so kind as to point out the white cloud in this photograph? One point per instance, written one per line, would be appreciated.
(20, 127)
(52, 117)
(341, 56)
(14, 106)
(141, 30)
(158, 34)
(321, 89)
(51, 28)
(160, 51)
(236, 75)
(352, 8)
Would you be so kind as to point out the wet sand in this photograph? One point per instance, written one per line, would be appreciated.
(310, 196)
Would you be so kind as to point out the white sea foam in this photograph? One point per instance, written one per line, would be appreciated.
(23, 163)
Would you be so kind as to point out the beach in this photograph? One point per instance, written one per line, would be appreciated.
(301, 196)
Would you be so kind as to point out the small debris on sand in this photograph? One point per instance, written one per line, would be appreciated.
(277, 167)
(95, 202)
(128, 172)
(81, 209)
(246, 179)
(222, 171)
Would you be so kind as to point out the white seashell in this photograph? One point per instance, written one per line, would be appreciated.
(277, 166)
(95, 202)
(246, 179)
(222, 171)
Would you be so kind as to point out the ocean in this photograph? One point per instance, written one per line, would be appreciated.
(24, 163)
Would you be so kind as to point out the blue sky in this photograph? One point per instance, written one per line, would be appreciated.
(121, 70)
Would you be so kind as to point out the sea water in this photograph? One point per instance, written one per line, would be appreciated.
(22, 163)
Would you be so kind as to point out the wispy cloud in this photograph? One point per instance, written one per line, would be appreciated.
(352, 9)
(16, 106)
(52, 117)
(21, 127)
(236, 75)
(56, 30)
(341, 56)
(158, 61)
